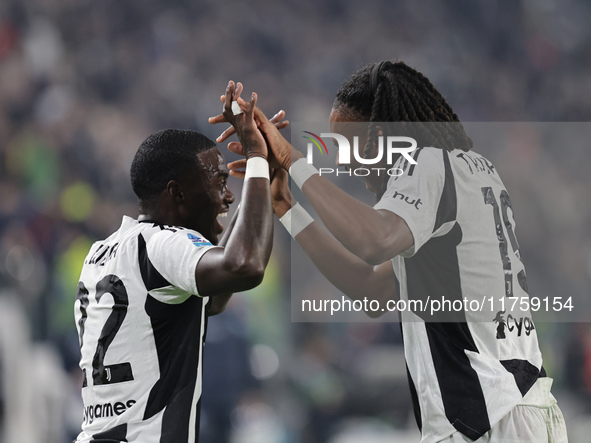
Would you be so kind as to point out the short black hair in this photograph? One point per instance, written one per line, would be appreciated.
(166, 155)
(395, 92)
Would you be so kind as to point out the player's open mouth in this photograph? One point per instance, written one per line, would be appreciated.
(219, 225)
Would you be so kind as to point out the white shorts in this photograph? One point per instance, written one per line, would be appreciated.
(536, 419)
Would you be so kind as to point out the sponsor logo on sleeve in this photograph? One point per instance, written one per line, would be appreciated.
(416, 202)
(198, 241)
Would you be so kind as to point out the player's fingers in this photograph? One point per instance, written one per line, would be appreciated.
(243, 103)
(226, 134)
(278, 117)
(217, 119)
(252, 105)
(239, 174)
(236, 148)
(282, 125)
(236, 165)
(239, 88)
(228, 98)
(260, 116)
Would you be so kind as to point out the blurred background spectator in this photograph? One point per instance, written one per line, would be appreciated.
(82, 83)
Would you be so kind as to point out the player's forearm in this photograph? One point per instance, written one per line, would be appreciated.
(248, 246)
(359, 227)
(219, 301)
(344, 270)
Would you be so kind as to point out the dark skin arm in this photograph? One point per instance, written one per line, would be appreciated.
(220, 301)
(240, 264)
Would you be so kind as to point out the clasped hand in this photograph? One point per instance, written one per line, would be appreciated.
(279, 149)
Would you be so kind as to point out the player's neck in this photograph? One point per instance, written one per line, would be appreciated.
(163, 212)
(159, 215)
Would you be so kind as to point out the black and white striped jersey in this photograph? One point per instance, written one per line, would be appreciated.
(471, 361)
(141, 325)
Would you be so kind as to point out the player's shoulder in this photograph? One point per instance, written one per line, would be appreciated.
(431, 157)
(162, 236)
(101, 250)
(422, 161)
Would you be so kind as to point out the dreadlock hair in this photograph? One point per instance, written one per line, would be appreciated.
(170, 154)
(394, 92)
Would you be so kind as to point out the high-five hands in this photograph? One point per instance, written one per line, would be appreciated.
(253, 142)
(280, 147)
(281, 197)
(277, 119)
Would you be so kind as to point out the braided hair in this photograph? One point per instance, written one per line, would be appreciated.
(395, 92)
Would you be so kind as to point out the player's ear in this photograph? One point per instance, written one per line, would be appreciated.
(174, 191)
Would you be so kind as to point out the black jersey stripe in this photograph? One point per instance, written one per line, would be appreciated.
(416, 407)
(415, 157)
(177, 335)
(118, 434)
(448, 334)
(524, 372)
(448, 203)
(461, 392)
(150, 275)
(437, 260)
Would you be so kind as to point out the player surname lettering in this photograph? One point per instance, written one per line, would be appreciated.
(477, 164)
(104, 253)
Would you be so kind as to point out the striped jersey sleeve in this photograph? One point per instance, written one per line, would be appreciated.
(415, 196)
(172, 255)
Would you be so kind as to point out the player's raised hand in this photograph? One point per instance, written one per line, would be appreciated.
(243, 121)
(277, 119)
(280, 147)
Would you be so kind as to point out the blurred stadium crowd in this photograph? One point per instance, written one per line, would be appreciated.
(83, 82)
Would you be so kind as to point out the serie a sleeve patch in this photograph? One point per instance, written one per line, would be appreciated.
(198, 241)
